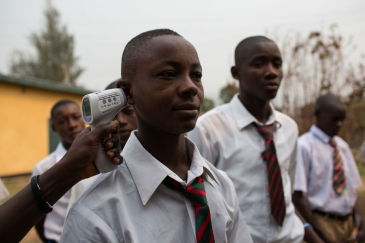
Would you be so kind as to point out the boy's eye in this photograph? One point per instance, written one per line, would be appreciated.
(258, 64)
(197, 75)
(277, 64)
(169, 74)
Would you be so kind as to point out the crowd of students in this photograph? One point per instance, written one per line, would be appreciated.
(240, 175)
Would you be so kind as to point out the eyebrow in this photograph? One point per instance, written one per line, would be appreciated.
(175, 63)
(266, 57)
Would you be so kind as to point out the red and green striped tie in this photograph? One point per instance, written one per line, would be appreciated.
(339, 182)
(196, 194)
(275, 183)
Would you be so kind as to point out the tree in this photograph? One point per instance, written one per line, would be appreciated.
(320, 63)
(228, 91)
(208, 104)
(55, 58)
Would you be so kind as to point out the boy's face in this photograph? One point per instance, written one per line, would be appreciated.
(128, 122)
(67, 122)
(260, 70)
(331, 120)
(166, 89)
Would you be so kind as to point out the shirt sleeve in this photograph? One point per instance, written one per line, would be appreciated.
(292, 166)
(302, 166)
(353, 172)
(83, 225)
(203, 140)
(238, 232)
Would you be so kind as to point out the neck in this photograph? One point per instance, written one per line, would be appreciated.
(170, 149)
(66, 145)
(260, 109)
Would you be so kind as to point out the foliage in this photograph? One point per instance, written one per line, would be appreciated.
(55, 58)
(208, 104)
(228, 91)
(320, 63)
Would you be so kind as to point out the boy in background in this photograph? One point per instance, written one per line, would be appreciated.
(326, 176)
(67, 123)
(255, 144)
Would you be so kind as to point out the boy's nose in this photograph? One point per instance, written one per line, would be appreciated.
(188, 87)
(271, 71)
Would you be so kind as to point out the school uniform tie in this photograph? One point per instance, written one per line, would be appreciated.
(339, 182)
(275, 183)
(196, 194)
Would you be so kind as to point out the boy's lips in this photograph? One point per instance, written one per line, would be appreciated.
(188, 109)
(272, 86)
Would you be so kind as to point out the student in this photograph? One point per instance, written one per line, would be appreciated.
(326, 175)
(128, 123)
(67, 123)
(21, 212)
(255, 144)
(164, 191)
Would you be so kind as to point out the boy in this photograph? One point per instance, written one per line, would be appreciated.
(326, 175)
(255, 144)
(67, 123)
(164, 191)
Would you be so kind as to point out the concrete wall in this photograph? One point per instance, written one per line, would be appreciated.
(24, 132)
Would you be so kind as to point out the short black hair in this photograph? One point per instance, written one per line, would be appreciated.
(112, 85)
(327, 102)
(246, 44)
(61, 103)
(135, 46)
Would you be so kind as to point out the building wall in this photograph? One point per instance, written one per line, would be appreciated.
(24, 129)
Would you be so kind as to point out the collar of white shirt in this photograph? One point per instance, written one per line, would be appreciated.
(244, 118)
(321, 135)
(142, 164)
(60, 151)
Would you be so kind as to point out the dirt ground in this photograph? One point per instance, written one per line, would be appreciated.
(15, 184)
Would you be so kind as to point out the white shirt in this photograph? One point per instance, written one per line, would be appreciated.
(4, 193)
(226, 137)
(54, 221)
(79, 188)
(315, 170)
(130, 204)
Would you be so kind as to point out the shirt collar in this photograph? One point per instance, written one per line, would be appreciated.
(147, 171)
(321, 135)
(60, 151)
(244, 118)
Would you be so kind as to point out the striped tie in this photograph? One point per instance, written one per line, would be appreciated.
(339, 182)
(275, 183)
(196, 194)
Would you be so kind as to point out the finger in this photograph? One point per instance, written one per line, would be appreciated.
(118, 160)
(110, 154)
(112, 142)
(103, 130)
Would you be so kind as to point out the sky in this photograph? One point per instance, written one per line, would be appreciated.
(103, 28)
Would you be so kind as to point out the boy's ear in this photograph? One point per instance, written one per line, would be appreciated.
(234, 72)
(53, 128)
(125, 85)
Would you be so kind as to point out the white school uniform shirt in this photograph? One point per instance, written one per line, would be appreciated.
(54, 221)
(315, 170)
(130, 204)
(227, 138)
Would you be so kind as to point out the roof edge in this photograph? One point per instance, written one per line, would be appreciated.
(44, 84)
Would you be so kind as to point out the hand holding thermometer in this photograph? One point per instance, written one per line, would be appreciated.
(100, 108)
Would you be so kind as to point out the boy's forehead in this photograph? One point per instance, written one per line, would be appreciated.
(259, 48)
(168, 47)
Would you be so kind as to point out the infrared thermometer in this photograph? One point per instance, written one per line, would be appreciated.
(100, 108)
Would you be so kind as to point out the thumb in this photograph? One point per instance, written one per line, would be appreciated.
(103, 130)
